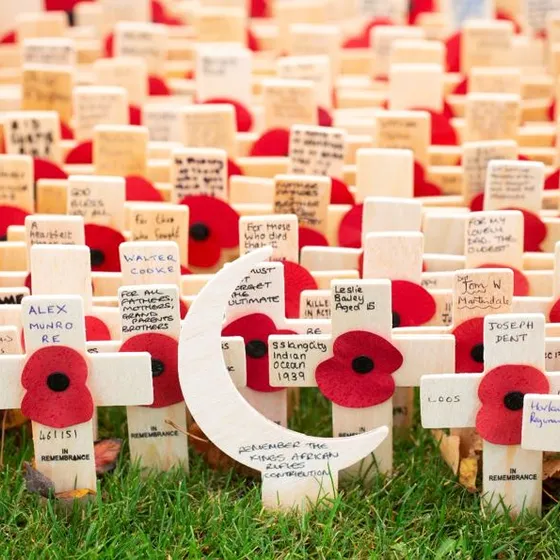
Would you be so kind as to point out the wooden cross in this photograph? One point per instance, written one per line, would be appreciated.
(361, 363)
(57, 384)
(492, 401)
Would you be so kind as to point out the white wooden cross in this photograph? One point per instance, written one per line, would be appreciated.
(492, 401)
(343, 365)
(57, 384)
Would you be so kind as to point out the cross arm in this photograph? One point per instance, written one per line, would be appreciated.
(449, 400)
(294, 358)
(423, 354)
(121, 379)
(11, 390)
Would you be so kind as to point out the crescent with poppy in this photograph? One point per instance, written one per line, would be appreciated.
(297, 469)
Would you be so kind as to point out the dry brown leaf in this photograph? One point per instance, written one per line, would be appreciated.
(14, 419)
(106, 453)
(468, 469)
(551, 468)
(36, 482)
(449, 449)
(78, 494)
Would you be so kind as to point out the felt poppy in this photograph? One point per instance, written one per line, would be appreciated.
(423, 187)
(255, 330)
(453, 56)
(350, 228)
(81, 153)
(309, 237)
(164, 351)
(103, 243)
(10, 216)
(8, 38)
(45, 169)
(340, 193)
(296, 279)
(252, 41)
(412, 304)
(183, 308)
(504, 16)
(443, 133)
(462, 87)
(157, 86)
(243, 116)
(521, 285)
(259, 9)
(552, 111)
(160, 15)
(359, 374)
(362, 39)
(66, 133)
(469, 346)
(324, 118)
(273, 142)
(552, 181)
(96, 329)
(57, 395)
(213, 226)
(501, 394)
(140, 189)
(233, 168)
(419, 7)
(134, 115)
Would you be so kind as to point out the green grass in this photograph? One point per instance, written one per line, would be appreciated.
(421, 512)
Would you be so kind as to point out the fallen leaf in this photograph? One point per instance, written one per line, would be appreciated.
(36, 482)
(551, 468)
(14, 419)
(106, 452)
(75, 494)
(468, 469)
(449, 449)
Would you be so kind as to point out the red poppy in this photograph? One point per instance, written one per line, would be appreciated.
(453, 56)
(243, 116)
(10, 216)
(359, 374)
(164, 351)
(56, 392)
(521, 285)
(157, 86)
(462, 87)
(103, 243)
(419, 7)
(443, 133)
(255, 330)
(412, 304)
(252, 41)
(324, 118)
(160, 15)
(501, 394)
(61, 5)
(233, 168)
(134, 115)
(551, 113)
(274, 142)
(504, 16)
(213, 226)
(96, 329)
(340, 193)
(477, 202)
(552, 181)
(423, 187)
(140, 189)
(311, 238)
(350, 228)
(9, 38)
(81, 153)
(296, 279)
(469, 346)
(183, 308)
(362, 39)
(259, 9)
(45, 169)
(66, 133)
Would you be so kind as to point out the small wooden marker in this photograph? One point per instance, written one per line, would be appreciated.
(492, 116)
(128, 73)
(57, 384)
(288, 102)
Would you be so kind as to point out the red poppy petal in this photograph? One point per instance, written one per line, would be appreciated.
(183, 308)
(28, 282)
(324, 118)
(413, 304)
(375, 22)
(453, 57)
(443, 134)
(462, 87)
(356, 42)
(504, 16)
(552, 111)
(204, 254)
(164, 349)
(274, 142)
(554, 314)
(160, 15)
(255, 327)
(233, 168)
(419, 7)
(426, 188)
(81, 153)
(552, 181)
(157, 86)
(340, 193)
(109, 45)
(495, 422)
(311, 238)
(134, 115)
(243, 116)
(341, 384)
(350, 229)
(535, 230)
(296, 279)
(469, 340)
(252, 42)
(521, 285)
(259, 9)
(96, 329)
(11, 216)
(66, 133)
(9, 38)
(45, 169)
(104, 244)
(477, 202)
(140, 189)
(56, 409)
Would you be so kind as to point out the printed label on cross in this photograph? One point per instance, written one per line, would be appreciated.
(492, 401)
(361, 364)
(57, 384)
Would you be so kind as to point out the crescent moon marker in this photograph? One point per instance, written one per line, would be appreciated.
(297, 470)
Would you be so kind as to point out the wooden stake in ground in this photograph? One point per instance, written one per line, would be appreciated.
(514, 355)
(57, 384)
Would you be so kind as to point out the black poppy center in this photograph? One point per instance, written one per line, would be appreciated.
(4, 237)
(514, 400)
(199, 231)
(362, 364)
(477, 353)
(158, 367)
(58, 382)
(97, 257)
(256, 348)
(396, 320)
